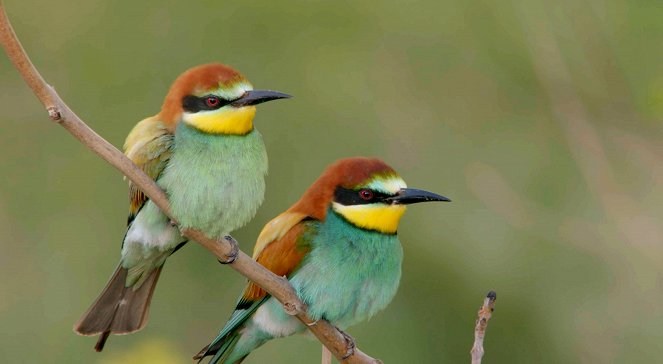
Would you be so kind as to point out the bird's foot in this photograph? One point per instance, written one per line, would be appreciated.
(234, 250)
(349, 344)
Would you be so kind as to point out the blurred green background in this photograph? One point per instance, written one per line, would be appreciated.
(540, 119)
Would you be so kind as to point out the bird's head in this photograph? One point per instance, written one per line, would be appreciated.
(366, 192)
(215, 99)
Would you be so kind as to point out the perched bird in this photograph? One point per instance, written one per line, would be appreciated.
(203, 150)
(338, 248)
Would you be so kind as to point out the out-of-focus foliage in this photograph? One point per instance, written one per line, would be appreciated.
(540, 119)
(146, 352)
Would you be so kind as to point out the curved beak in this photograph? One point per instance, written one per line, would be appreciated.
(408, 196)
(255, 97)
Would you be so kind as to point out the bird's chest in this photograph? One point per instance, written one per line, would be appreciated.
(216, 183)
(350, 279)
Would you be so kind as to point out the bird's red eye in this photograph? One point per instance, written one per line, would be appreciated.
(366, 194)
(212, 101)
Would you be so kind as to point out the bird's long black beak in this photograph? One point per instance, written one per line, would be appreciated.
(255, 97)
(408, 196)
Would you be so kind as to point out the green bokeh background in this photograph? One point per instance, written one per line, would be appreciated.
(540, 119)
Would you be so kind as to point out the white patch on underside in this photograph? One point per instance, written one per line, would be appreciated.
(152, 238)
(151, 229)
(273, 324)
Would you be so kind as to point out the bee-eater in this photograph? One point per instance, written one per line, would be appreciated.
(338, 248)
(204, 152)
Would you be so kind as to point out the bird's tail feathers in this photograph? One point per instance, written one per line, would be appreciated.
(224, 346)
(221, 350)
(118, 309)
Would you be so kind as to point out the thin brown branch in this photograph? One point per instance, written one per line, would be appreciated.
(326, 355)
(276, 286)
(480, 327)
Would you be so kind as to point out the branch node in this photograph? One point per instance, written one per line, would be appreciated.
(234, 250)
(292, 309)
(54, 114)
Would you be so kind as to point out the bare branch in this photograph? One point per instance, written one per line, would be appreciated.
(480, 327)
(326, 355)
(278, 287)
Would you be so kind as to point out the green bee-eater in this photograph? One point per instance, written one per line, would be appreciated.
(338, 248)
(203, 150)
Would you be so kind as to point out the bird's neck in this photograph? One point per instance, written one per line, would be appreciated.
(337, 218)
(338, 236)
(192, 136)
(226, 121)
(375, 217)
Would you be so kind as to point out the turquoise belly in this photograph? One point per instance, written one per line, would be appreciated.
(215, 183)
(350, 274)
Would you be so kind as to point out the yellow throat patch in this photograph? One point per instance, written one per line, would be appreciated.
(379, 217)
(232, 121)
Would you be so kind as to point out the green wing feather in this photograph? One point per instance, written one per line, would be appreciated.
(149, 145)
(282, 256)
(227, 338)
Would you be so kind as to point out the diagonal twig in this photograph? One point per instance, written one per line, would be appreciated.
(276, 286)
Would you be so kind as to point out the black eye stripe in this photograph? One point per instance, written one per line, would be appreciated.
(347, 197)
(194, 103)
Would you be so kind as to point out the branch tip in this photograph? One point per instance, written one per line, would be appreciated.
(484, 315)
